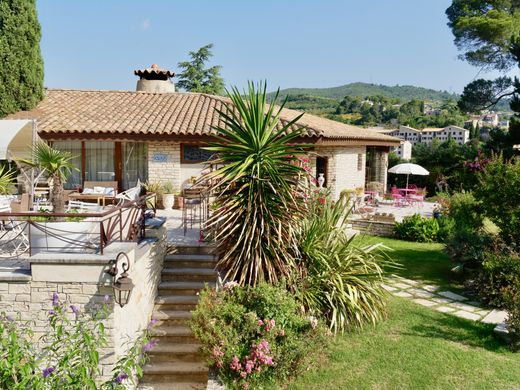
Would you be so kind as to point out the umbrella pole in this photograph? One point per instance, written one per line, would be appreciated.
(407, 176)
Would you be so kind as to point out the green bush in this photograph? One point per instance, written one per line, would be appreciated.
(468, 249)
(254, 336)
(513, 321)
(465, 212)
(417, 228)
(499, 275)
(341, 281)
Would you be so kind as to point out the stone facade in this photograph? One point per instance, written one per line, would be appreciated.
(345, 167)
(81, 280)
(164, 162)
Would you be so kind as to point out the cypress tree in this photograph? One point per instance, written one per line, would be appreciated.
(21, 63)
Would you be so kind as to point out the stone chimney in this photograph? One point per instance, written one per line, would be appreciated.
(155, 79)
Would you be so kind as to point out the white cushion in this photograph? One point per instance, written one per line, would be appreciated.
(99, 190)
(109, 191)
(88, 191)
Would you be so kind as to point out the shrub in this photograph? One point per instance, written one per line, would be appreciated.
(467, 249)
(465, 212)
(499, 275)
(67, 356)
(513, 320)
(254, 336)
(498, 192)
(417, 228)
(340, 281)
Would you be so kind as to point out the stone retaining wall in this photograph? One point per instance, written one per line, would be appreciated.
(80, 279)
(377, 228)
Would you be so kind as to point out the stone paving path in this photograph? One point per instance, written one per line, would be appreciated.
(443, 301)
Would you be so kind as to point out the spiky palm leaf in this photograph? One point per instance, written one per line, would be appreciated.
(6, 180)
(256, 188)
(342, 281)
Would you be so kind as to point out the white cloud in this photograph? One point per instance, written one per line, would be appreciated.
(145, 24)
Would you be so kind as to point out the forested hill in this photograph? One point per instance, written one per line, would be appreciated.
(401, 92)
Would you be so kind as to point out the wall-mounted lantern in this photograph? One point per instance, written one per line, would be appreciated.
(123, 285)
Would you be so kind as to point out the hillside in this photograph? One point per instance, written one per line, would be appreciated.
(402, 92)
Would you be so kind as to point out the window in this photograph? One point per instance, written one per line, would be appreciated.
(195, 154)
(99, 161)
(135, 163)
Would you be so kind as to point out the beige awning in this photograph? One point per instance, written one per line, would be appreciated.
(16, 138)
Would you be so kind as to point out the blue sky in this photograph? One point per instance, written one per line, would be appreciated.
(97, 44)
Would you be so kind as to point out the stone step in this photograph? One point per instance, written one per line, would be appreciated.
(171, 317)
(190, 257)
(189, 274)
(165, 372)
(176, 386)
(180, 287)
(190, 264)
(173, 334)
(175, 352)
(192, 250)
(176, 302)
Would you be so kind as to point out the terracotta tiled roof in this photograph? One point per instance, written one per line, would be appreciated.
(155, 70)
(78, 112)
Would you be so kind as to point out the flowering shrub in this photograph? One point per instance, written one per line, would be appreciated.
(67, 355)
(254, 336)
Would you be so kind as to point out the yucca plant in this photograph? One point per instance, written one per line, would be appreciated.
(340, 281)
(6, 180)
(256, 188)
(57, 165)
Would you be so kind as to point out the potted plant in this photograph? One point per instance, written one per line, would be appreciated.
(168, 196)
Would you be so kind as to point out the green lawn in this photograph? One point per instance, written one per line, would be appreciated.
(417, 347)
(420, 261)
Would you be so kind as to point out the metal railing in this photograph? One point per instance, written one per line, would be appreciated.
(79, 232)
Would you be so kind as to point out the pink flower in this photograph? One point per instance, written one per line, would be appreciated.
(217, 353)
(270, 325)
(243, 374)
(260, 323)
(235, 364)
(249, 366)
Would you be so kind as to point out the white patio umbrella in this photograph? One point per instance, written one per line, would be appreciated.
(408, 169)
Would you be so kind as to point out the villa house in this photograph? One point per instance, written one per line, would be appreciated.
(158, 134)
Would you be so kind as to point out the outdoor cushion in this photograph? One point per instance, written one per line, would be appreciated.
(109, 191)
(99, 190)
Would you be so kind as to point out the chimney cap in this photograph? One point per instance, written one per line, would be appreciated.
(154, 70)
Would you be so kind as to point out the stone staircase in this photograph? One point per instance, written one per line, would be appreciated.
(175, 363)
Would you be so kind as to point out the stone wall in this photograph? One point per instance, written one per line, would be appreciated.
(377, 228)
(164, 162)
(343, 167)
(80, 279)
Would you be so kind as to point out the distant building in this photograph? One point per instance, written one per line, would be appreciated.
(411, 136)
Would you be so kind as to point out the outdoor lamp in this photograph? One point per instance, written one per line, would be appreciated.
(123, 285)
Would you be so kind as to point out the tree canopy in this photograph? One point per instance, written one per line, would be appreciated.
(196, 77)
(484, 30)
(21, 63)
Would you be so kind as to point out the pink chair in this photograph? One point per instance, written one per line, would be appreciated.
(399, 199)
(418, 197)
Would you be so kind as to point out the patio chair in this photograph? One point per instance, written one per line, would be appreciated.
(418, 197)
(13, 238)
(399, 199)
(193, 210)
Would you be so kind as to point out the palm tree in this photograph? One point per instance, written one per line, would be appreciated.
(57, 165)
(6, 180)
(256, 188)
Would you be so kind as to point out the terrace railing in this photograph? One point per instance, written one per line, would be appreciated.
(79, 232)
